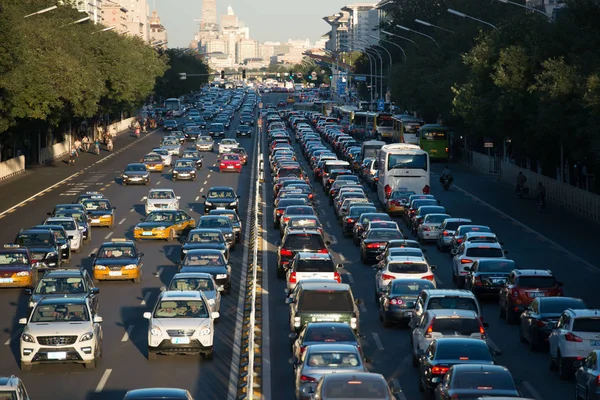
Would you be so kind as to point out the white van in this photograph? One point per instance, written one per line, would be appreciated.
(404, 167)
(370, 148)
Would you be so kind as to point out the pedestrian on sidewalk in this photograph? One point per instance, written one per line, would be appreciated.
(85, 142)
(73, 155)
(77, 145)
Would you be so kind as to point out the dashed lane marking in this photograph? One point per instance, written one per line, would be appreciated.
(377, 341)
(202, 189)
(362, 307)
(141, 200)
(170, 251)
(94, 251)
(534, 393)
(158, 183)
(328, 225)
(103, 380)
(123, 220)
(109, 235)
(439, 281)
(197, 198)
(127, 333)
(541, 238)
(146, 298)
(350, 278)
(208, 176)
(205, 182)
(159, 272)
(132, 210)
(333, 239)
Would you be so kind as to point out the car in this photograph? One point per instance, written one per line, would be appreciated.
(397, 202)
(444, 299)
(220, 198)
(235, 220)
(135, 173)
(16, 270)
(49, 335)
(205, 238)
(229, 162)
(181, 323)
(164, 224)
(541, 317)
(422, 212)
(375, 241)
(62, 240)
(247, 119)
(298, 222)
(447, 229)
(305, 240)
(467, 253)
(428, 230)
(72, 229)
(312, 266)
(88, 195)
(184, 169)
(179, 136)
(226, 145)
(199, 281)
(118, 260)
(481, 237)
(100, 212)
(354, 213)
(170, 125)
(363, 222)
(402, 266)
(294, 211)
(44, 251)
(523, 286)
(241, 152)
(153, 162)
(323, 359)
(243, 130)
(281, 206)
(205, 143)
(192, 133)
(396, 300)
(322, 332)
(12, 388)
(193, 155)
(355, 385)
(64, 283)
(80, 216)
(222, 223)
(164, 155)
(209, 261)
(216, 130)
(161, 199)
(476, 380)
(172, 145)
(488, 275)
(462, 230)
(158, 393)
(586, 377)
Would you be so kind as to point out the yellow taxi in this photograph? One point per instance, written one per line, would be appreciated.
(164, 224)
(15, 267)
(153, 162)
(398, 201)
(291, 99)
(100, 212)
(118, 259)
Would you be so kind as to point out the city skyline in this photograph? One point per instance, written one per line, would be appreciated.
(273, 20)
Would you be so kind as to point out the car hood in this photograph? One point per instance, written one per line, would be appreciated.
(213, 270)
(183, 169)
(161, 201)
(135, 173)
(221, 201)
(58, 328)
(115, 261)
(99, 212)
(182, 323)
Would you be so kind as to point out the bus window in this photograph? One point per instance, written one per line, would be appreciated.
(407, 161)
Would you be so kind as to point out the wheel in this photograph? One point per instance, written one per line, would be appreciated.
(138, 279)
(124, 183)
(564, 369)
(92, 364)
(147, 183)
(25, 367)
(171, 235)
(152, 355)
(208, 356)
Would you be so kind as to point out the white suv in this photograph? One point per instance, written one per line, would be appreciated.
(72, 228)
(61, 330)
(576, 334)
(468, 253)
(181, 323)
(226, 145)
(401, 266)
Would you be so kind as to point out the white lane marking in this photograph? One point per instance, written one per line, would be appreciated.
(589, 266)
(342, 258)
(534, 393)
(492, 344)
(333, 239)
(109, 235)
(208, 176)
(170, 251)
(197, 198)
(201, 189)
(121, 221)
(350, 278)
(205, 182)
(362, 307)
(142, 200)
(328, 224)
(94, 251)
(146, 298)
(377, 341)
(132, 210)
(266, 345)
(160, 270)
(158, 183)
(103, 380)
(127, 333)
(7, 341)
(438, 281)
(396, 385)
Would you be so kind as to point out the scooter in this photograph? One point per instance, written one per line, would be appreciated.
(446, 182)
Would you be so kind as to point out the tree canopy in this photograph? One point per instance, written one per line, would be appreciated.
(180, 61)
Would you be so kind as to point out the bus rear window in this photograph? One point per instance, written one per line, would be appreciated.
(407, 161)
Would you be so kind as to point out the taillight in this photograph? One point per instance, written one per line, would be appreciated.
(446, 149)
(477, 281)
(458, 240)
(372, 245)
(429, 330)
(293, 277)
(569, 337)
(387, 277)
(337, 277)
(238, 165)
(306, 379)
(466, 261)
(445, 233)
(388, 191)
(439, 370)
(349, 220)
(323, 251)
(426, 229)
(310, 196)
(396, 302)
(285, 253)
(598, 380)
(426, 189)
(286, 219)
(429, 277)
(302, 349)
(280, 211)
(482, 331)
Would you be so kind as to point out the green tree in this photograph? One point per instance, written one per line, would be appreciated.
(180, 61)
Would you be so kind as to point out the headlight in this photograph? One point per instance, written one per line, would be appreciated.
(131, 266)
(353, 323)
(64, 246)
(208, 203)
(155, 331)
(106, 216)
(228, 234)
(23, 273)
(221, 276)
(160, 228)
(175, 172)
(51, 255)
(32, 304)
(204, 331)
(125, 176)
(27, 338)
(99, 267)
(87, 336)
(211, 302)
(184, 250)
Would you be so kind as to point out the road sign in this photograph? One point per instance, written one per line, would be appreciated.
(360, 78)
(488, 144)
(380, 105)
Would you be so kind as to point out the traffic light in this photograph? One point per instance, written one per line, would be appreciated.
(243, 74)
(330, 77)
(222, 74)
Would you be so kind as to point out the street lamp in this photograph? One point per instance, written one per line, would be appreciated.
(368, 48)
(419, 21)
(401, 37)
(371, 62)
(463, 15)
(110, 28)
(45, 10)
(526, 7)
(419, 33)
(395, 44)
(78, 21)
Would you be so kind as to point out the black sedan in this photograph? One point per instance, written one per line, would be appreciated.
(476, 381)
(322, 332)
(170, 125)
(209, 261)
(192, 155)
(488, 276)
(203, 239)
(220, 198)
(136, 173)
(397, 299)
(184, 169)
(375, 242)
(243, 130)
(247, 119)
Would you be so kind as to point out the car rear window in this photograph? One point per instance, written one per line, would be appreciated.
(385, 235)
(490, 252)
(454, 225)
(290, 172)
(315, 265)
(355, 390)
(559, 304)
(456, 326)
(484, 380)
(409, 288)
(586, 325)
(326, 301)
(330, 334)
(408, 268)
(357, 211)
(540, 282)
(453, 303)
(310, 242)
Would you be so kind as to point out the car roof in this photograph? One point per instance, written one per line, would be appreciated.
(458, 220)
(206, 230)
(331, 324)
(478, 367)
(63, 273)
(584, 313)
(305, 232)
(221, 188)
(136, 164)
(453, 313)
(458, 341)
(362, 376)
(207, 251)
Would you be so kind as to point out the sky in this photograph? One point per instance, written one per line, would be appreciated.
(268, 20)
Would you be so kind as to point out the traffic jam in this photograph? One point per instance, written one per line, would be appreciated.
(380, 196)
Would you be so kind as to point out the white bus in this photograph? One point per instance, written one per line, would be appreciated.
(174, 105)
(402, 166)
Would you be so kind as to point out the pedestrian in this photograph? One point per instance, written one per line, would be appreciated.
(85, 142)
(77, 145)
(73, 155)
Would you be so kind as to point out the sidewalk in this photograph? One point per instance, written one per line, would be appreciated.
(38, 177)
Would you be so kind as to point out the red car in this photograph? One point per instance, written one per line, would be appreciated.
(230, 162)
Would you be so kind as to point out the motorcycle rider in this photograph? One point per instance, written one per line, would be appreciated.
(521, 180)
(446, 175)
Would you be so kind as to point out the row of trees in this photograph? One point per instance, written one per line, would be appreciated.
(532, 80)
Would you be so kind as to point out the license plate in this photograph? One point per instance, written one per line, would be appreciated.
(6, 280)
(498, 281)
(180, 340)
(61, 355)
(95, 221)
(537, 294)
(230, 167)
(115, 273)
(594, 342)
(407, 313)
(147, 233)
(220, 208)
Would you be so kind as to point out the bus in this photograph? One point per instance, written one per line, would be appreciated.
(384, 126)
(435, 140)
(404, 167)
(370, 148)
(362, 124)
(174, 105)
(409, 129)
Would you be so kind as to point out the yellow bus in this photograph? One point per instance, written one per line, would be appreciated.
(406, 128)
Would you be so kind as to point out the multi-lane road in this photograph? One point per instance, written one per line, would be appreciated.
(550, 240)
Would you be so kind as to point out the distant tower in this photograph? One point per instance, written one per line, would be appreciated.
(209, 15)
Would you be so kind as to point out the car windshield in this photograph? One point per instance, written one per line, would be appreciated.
(496, 266)
(158, 216)
(557, 305)
(204, 139)
(184, 164)
(239, 150)
(299, 211)
(63, 312)
(205, 237)
(231, 215)
(161, 152)
(355, 390)
(408, 268)
(407, 161)
(161, 194)
(181, 309)
(228, 141)
(76, 215)
(203, 284)
(304, 241)
(459, 326)
(387, 234)
(333, 360)
(190, 154)
(218, 222)
(326, 301)
(230, 157)
(116, 252)
(329, 334)
(242, 128)
(170, 143)
(52, 285)
(68, 225)
(409, 288)
(489, 252)
(34, 239)
(217, 128)
(8, 395)
(152, 159)
(435, 218)
(204, 260)
(483, 380)
(97, 205)
(13, 258)
(221, 194)
(453, 303)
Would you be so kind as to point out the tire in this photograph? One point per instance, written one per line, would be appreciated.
(152, 355)
(138, 279)
(25, 367)
(208, 356)
(92, 364)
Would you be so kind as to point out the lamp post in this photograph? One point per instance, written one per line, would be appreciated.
(526, 7)
(419, 33)
(420, 21)
(389, 66)
(110, 28)
(380, 70)
(463, 15)
(371, 68)
(401, 37)
(45, 10)
(79, 21)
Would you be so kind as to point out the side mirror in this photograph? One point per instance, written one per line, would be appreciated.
(81, 228)
(292, 336)
(358, 301)
(368, 360)
(289, 300)
(327, 242)
(239, 197)
(28, 292)
(163, 288)
(497, 352)
(277, 244)
(114, 208)
(439, 202)
(339, 266)
(140, 254)
(486, 325)
(148, 315)
(505, 252)
(433, 267)
(71, 237)
(49, 213)
(424, 250)
(23, 321)
(95, 290)
(144, 198)
(501, 243)
(97, 320)
(142, 219)
(215, 315)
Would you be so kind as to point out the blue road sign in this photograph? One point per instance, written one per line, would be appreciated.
(360, 78)
(380, 105)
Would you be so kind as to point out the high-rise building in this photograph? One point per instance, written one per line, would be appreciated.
(209, 15)
(338, 36)
(158, 33)
(114, 14)
(245, 49)
(137, 18)
(363, 24)
(93, 8)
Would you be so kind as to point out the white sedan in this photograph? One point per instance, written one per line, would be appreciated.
(226, 145)
(161, 199)
(167, 159)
